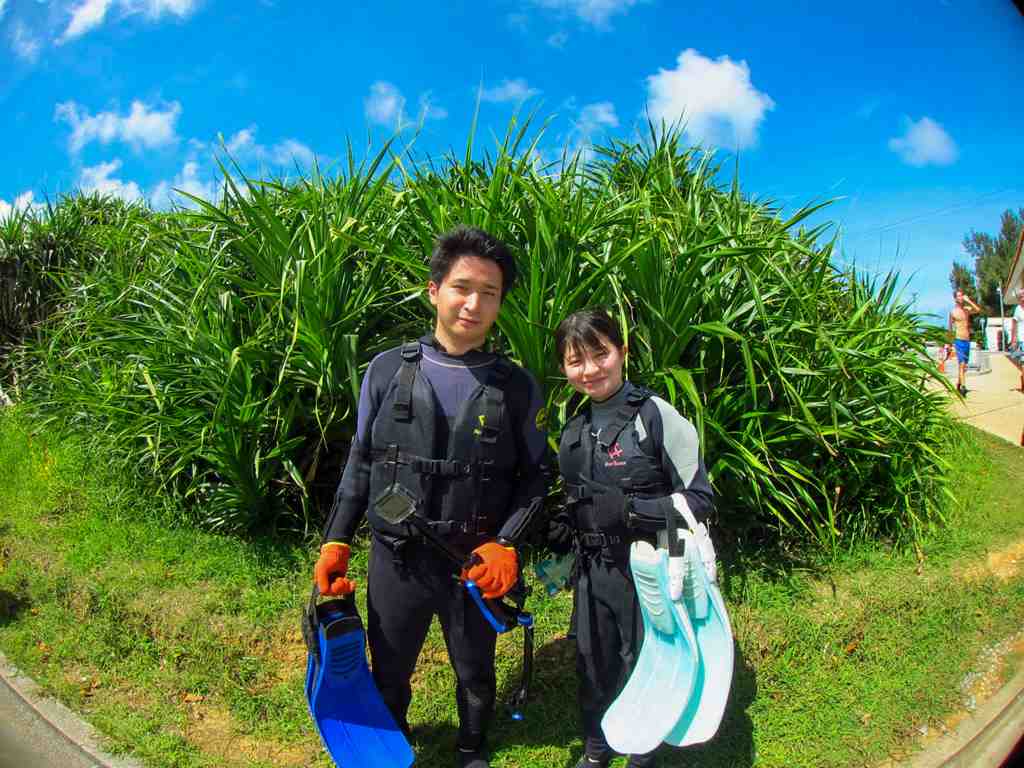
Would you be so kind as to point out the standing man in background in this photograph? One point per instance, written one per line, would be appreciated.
(960, 326)
(1016, 347)
(459, 433)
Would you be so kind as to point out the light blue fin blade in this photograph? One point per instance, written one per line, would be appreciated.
(659, 688)
(355, 725)
(700, 721)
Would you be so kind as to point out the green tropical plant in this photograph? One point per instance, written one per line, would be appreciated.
(220, 349)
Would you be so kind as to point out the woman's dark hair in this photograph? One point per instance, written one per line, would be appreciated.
(584, 329)
(471, 241)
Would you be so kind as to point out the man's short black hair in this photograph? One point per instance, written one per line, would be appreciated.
(471, 241)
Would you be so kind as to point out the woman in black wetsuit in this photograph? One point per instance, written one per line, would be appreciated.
(622, 457)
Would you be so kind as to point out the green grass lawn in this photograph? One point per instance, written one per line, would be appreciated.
(182, 646)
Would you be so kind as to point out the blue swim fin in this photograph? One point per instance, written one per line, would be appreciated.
(660, 686)
(710, 621)
(354, 724)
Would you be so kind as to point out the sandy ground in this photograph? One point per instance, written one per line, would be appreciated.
(994, 401)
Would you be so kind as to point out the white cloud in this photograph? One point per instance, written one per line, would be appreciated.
(244, 147)
(291, 150)
(509, 90)
(594, 117)
(3, 7)
(241, 141)
(429, 110)
(97, 178)
(592, 120)
(21, 202)
(385, 105)
(596, 12)
(89, 14)
(154, 9)
(188, 181)
(715, 99)
(924, 142)
(558, 40)
(25, 45)
(143, 126)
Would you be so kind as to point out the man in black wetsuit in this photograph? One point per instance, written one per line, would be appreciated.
(459, 432)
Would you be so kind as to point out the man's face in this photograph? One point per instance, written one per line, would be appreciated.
(467, 300)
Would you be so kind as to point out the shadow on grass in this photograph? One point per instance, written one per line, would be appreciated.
(750, 562)
(549, 716)
(434, 744)
(733, 745)
(552, 716)
(11, 603)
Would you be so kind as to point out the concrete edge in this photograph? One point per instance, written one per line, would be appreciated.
(62, 720)
(986, 738)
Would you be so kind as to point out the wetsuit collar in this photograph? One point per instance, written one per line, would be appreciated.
(432, 341)
(612, 403)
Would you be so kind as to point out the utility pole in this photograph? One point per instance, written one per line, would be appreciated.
(1002, 320)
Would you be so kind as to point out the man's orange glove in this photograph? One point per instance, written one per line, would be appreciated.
(331, 568)
(496, 570)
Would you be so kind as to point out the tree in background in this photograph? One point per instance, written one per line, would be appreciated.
(962, 279)
(992, 257)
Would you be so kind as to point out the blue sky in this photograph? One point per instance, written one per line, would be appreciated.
(910, 113)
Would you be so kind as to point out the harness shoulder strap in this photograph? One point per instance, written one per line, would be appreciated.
(494, 401)
(402, 409)
(572, 434)
(623, 416)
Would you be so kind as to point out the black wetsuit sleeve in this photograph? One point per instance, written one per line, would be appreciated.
(560, 536)
(682, 462)
(526, 404)
(352, 496)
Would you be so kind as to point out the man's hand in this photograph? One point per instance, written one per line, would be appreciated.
(332, 568)
(496, 570)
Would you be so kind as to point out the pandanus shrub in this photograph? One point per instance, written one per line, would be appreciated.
(223, 354)
(43, 252)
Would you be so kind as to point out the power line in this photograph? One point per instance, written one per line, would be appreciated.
(929, 214)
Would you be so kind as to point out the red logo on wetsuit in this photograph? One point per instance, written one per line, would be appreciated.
(614, 453)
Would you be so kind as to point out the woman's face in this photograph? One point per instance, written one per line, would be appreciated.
(595, 372)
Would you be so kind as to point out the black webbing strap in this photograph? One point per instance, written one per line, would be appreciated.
(421, 465)
(623, 416)
(494, 403)
(575, 493)
(451, 527)
(402, 409)
(573, 433)
(599, 540)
